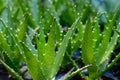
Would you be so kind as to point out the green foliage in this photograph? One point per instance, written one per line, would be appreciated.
(45, 34)
(98, 56)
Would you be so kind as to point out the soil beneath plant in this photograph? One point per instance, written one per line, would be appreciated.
(112, 74)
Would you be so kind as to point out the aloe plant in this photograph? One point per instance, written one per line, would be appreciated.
(47, 63)
(32, 31)
(97, 47)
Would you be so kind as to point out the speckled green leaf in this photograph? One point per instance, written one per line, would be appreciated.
(41, 52)
(13, 36)
(33, 64)
(17, 57)
(104, 43)
(50, 48)
(22, 30)
(87, 44)
(34, 8)
(96, 34)
(77, 40)
(26, 9)
(110, 46)
(5, 45)
(30, 45)
(41, 45)
(62, 48)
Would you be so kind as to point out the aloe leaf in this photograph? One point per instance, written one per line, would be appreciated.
(96, 34)
(9, 17)
(77, 71)
(49, 5)
(103, 45)
(41, 45)
(33, 4)
(9, 57)
(17, 57)
(10, 62)
(46, 51)
(115, 16)
(41, 10)
(59, 6)
(32, 32)
(41, 52)
(15, 74)
(105, 39)
(86, 11)
(50, 48)
(22, 30)
(31, 21)
(57, 31)
(30, 45)
(53, 39)
(46, 24)
(5, 45)
(13, 36)
(69, 14)
(26, 8)
(62, 48)
(16, 14)
(77, 41)
(110, 65)
(33, 64)
(71, 10)
(16, 18)
(80, 5)
(87, 44)
(111, 46)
